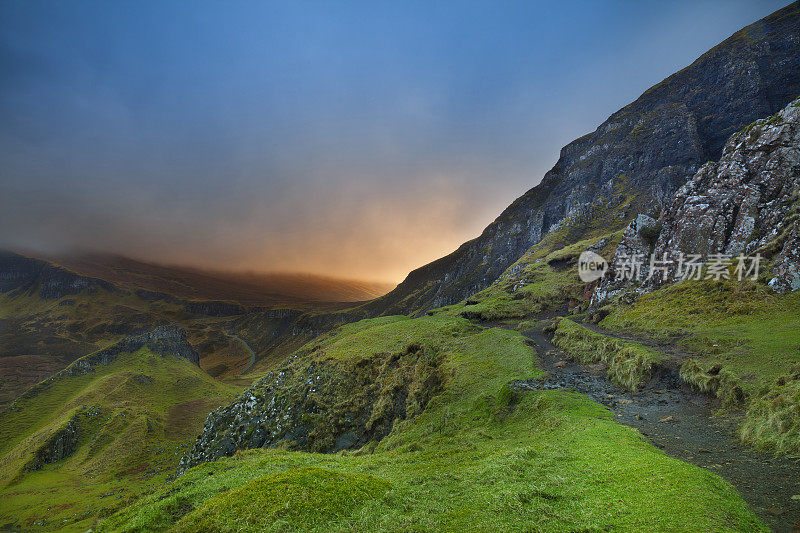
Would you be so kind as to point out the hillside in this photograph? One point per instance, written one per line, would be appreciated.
(632, 163)
(101, 431)
(304, 291)
(480, 456)
(50, 316)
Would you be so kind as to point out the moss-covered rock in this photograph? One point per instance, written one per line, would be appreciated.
(321, 402)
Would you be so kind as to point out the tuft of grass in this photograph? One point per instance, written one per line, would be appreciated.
(772, 421)
(714, 380)
(629, 364)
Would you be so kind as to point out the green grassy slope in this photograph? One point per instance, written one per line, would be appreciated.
(544, 279)
(40, 337)
(480, 457)
(745, 337)
(133, 418)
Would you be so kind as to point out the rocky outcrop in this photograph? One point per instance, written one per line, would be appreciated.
(161, 340)
(633, 163)
(322, 404)
(630, 258)
(746, 204)
(52, 282)
(60, 445)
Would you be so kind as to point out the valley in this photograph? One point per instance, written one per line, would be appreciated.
(494, 389)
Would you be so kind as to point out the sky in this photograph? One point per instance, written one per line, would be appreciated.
(350, 139)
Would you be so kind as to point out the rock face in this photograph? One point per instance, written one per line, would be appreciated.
(212, 308)
(58, 446)
(634, 162)
(633, 244)
(161, 340)
(321, 404)
(25, 273)
(746, 203)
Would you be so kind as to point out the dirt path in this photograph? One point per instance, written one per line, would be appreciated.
(681, 422)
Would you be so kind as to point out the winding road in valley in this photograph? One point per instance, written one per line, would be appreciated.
(247, 346)
(685, 425)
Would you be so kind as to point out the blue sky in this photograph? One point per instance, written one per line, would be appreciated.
(357, 139)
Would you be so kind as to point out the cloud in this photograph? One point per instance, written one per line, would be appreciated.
(361, 141)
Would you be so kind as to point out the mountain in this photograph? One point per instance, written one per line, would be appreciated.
(54, 311)
(249, 289)
(103, 429)
(746, 204)
(632, 163)
(50, 316)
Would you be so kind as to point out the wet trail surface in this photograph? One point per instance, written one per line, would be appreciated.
(682, 423)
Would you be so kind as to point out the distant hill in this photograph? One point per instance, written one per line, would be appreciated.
(250, 289)
(93, 436)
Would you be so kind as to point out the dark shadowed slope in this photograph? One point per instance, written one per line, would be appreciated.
(632, 163)
(245, 288)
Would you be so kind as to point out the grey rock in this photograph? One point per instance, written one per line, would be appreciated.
(746, 203)
(633, 162)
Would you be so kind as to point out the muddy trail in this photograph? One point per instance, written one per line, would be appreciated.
(682, 423)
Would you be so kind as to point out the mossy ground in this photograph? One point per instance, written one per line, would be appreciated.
(480, 457)
(544, 279)
(745, 337)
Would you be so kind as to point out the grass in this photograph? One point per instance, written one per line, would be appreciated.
(301, 498)
(772, 421)
(134, 417)
(743, 327)
(391, 334)
(545, 278)
(481, 457)
(714, 380)
(745, 337)
(629, 363)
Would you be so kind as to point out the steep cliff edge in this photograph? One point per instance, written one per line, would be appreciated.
(648, 149)
(746, 204)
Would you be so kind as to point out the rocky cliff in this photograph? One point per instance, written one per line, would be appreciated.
(745, 204)
(50, 281)
(632, 163)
